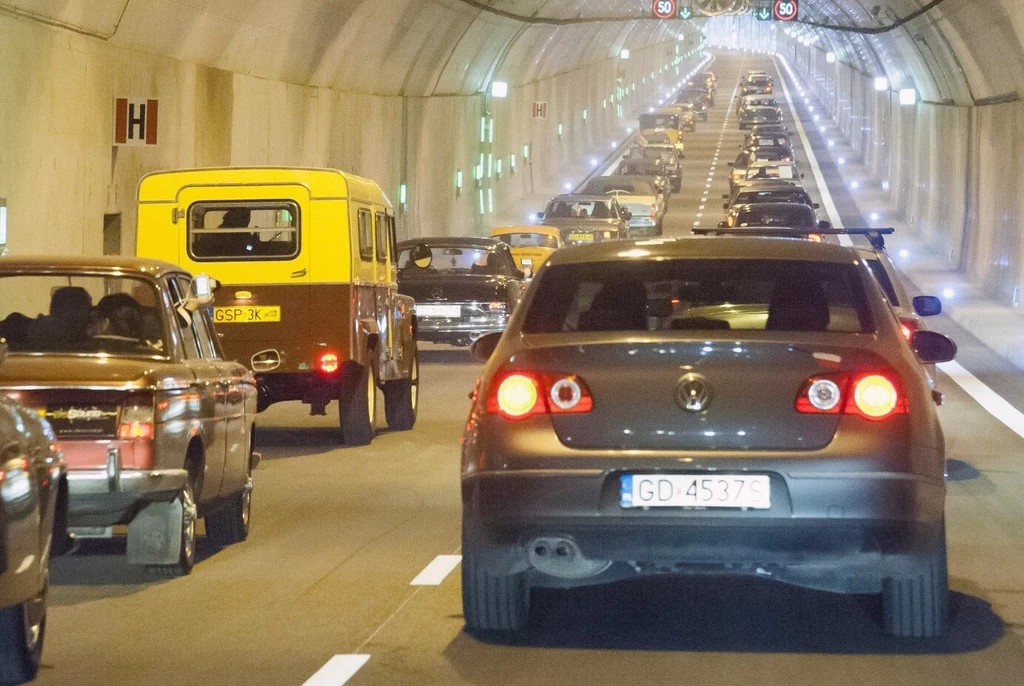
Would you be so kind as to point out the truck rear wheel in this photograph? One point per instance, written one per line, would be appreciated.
(357, 405)
(401, 399)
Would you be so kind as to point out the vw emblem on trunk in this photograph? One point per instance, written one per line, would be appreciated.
(693, 393)
(436, 293)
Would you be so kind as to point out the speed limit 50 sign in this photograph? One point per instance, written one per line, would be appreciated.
(786, 10)
(665, 9)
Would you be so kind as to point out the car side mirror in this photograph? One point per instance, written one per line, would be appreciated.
(520, 274)
(725, 205)
(725, 196)
(731, 164)
(723, 225)
(933, 347)
(927, 306)
(823, 225)
(483, 347)
(815, 205)
(801, 176)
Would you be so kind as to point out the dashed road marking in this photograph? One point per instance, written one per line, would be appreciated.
(436, 572)
(338, 670)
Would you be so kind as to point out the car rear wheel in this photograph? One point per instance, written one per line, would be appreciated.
(915, 604)
(230, 523)
(493, 602)
(22, 629)
(187, 543)
(401, 399)
(357, 405)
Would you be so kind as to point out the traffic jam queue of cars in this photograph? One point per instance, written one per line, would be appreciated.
(656, 381)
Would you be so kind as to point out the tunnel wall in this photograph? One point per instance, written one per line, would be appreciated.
(60, 174)
(951, 171)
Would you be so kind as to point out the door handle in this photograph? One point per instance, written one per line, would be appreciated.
(298, 274)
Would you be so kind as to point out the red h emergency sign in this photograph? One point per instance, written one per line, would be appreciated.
(136, 121)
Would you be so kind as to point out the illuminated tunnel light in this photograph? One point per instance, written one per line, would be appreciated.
(881, 83)
(624, 54)
(908, 96)
(948, 293)
(499, 89)
(830, 57)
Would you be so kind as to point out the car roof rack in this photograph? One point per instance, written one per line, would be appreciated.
(875, 236)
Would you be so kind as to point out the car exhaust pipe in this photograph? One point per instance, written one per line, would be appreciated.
(561, 557)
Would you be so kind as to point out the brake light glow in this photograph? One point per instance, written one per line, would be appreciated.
(518, 396)
(521, 393)
(135, 431)
(870, 395)
(329, 363)
(908, 327)
(875, 396)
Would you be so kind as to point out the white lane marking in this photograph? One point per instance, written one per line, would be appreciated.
(435, 572)
(826, 196)
(986, 397)
(338, 670)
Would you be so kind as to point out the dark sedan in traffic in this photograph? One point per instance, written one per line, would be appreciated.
(464, 288)
(737, 406)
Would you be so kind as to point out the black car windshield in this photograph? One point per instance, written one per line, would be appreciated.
(85, 315)
(456, 259)
(699, 295)
(613, 185)
(796, 195)
(795, 216)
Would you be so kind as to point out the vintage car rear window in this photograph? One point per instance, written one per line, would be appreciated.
(795, 195)
(457, 260)
(579, 209)
(243, 231)
(699, 295)
(528, 240)
(88, 315)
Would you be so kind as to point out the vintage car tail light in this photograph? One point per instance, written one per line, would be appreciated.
(328, 362)
(871, 395)
(15, 480)
(137, 419)
(522, 393)
(654, 211)
(495, 306)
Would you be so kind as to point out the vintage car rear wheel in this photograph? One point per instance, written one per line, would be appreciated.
(22, 629)
(229, 524)
(357, 405)
(187, 545)
(401, 399)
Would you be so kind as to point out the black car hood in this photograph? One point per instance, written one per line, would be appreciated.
(430, 286)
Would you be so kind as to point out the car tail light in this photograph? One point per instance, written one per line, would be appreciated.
(137, 419)
(654, 211)
(815, 238)
(908, 327)
(871, 395)
(329, 362)
(521, 394)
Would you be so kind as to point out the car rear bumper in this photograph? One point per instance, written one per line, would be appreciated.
(840, 532)
(98, 497)
(458, 331)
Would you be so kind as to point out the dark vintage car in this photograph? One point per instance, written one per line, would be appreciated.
(463, 287)
(156, 426)
(33, 526)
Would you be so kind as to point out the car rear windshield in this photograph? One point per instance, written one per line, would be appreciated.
(243, 231)
(86, 315)
(453, 259)
(751, 197)
(579, 209)
(699, 295)
(796, 216)
(659, 121)
(627, 186)
(528, 240)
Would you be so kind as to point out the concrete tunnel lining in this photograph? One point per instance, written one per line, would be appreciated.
(396, 92)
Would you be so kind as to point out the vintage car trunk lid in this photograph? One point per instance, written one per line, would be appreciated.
(81, 371)
(433, 287)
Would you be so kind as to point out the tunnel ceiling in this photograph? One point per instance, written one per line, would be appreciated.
(959, 52)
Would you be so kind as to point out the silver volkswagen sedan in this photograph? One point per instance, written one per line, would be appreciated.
(743, 406)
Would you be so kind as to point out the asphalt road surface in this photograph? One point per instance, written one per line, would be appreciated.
(339, 535)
